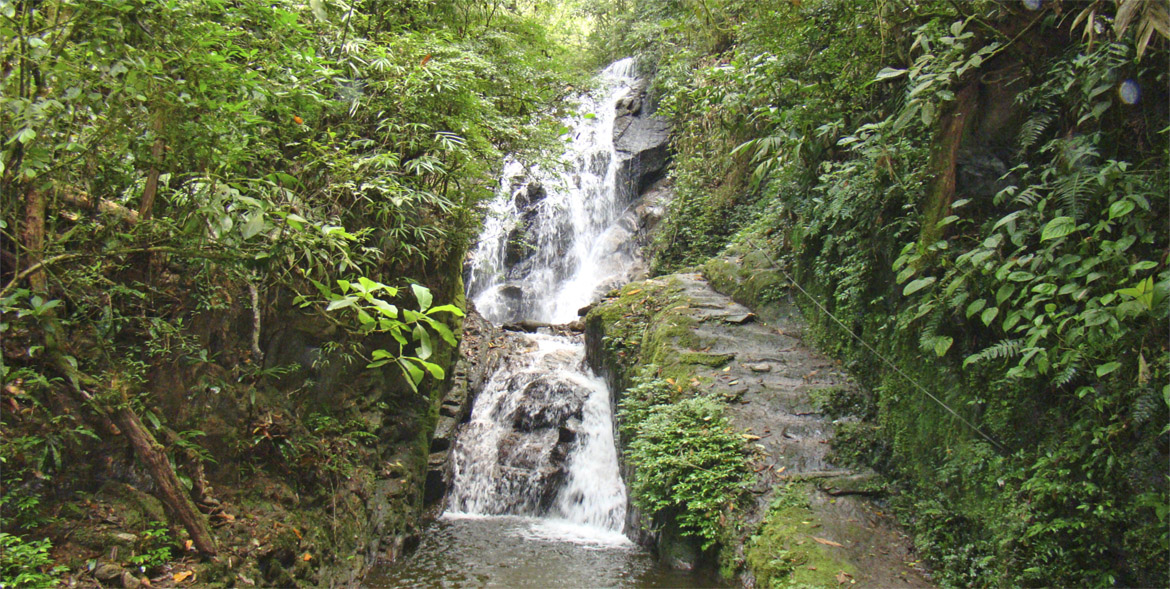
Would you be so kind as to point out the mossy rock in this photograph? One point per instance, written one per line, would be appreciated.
(751, 280)
(785, 552)
(835, 402)
(860, 443)
(137, 508)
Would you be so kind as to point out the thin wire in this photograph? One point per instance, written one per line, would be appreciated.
(888, 362)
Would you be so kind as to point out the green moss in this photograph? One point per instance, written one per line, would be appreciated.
(751, 281)
(137, 508)
(785, 553)
(860, 443)
(835, 402)
(704, 359)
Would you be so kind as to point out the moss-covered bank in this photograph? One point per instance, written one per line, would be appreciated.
(719, 427)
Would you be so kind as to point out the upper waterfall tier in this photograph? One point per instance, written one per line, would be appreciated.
(556, 238)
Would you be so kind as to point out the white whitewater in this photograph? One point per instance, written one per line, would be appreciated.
(547, 397)
(580, 249)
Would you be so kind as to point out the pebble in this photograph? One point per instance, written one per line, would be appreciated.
(763, 367)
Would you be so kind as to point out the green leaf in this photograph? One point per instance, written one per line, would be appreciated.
(443, 331)
(1004, 293)
(414, 374)
(942, 344)
(423, 294)
(889, 73)
(918, 285)
(340, 303)
(1120, 208)
(906, 273)
(1005, 220)
(1106, 368)
(988, 316)
(1057, 228)
(975, 307)
(254, 225)
(386, 308)
(435, 370)
(947, 221)
(26, 136)
(1046, 289)
(423, 339)
(452, 309)
(367, 285)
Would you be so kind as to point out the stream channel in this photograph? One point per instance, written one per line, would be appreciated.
(537, 498)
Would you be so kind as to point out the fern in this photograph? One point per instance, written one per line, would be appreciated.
(1069, 372)
(1033, 129)
(1073, 190)
(1002, 350)
(1029, 197)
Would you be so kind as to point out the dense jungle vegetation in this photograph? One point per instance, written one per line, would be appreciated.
(215, 215)
(978, 191)
(232, 236)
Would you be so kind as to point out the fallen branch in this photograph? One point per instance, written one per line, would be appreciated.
(190, 253)
(107, 207)
(151, 453)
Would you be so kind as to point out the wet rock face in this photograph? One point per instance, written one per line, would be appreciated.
(531, 195)
(642, 142)
(514, 455)
(980, 174)
(545, 423)
(482, 350)
(546, 404)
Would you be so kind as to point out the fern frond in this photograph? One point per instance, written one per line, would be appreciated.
(1074, 190)
(1002, 350)
(1029, 197)
(1067, 374)
(1033, 129)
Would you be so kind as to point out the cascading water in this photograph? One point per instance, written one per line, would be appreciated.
(555, 239)
(537, 498)
(540, 441)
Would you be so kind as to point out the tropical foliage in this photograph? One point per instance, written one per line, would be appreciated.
(979, 191)
(180, 176)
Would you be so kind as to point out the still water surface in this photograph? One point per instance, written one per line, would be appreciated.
(510, 551)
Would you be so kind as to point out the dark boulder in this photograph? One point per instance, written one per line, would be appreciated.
(531, 195)
(548, 403)
(642, 142)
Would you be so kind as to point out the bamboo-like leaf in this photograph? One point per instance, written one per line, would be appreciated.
(918, 285)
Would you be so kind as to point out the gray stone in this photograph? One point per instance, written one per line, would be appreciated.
(740, 318)
(761, 367)
(107, 571)
(642, 143)
(530, 196)
(130, 581)
(125, 537)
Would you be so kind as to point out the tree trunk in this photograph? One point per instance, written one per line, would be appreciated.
(171, 490)
(151, 189)
(941, 193)
(33, 236)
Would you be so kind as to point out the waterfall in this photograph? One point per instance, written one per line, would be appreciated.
(540, 440)
(555, 239)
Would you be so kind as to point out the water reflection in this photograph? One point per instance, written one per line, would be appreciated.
(507, 551)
